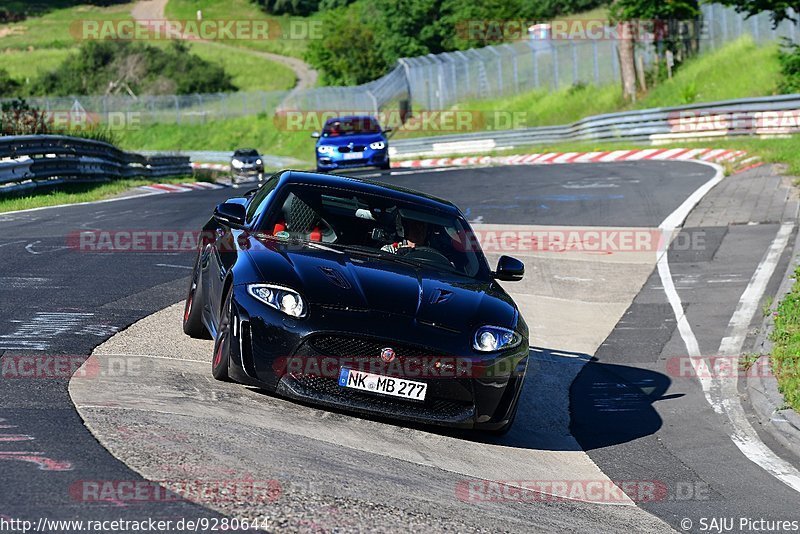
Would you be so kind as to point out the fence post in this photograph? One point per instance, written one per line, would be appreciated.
(596, 62)
(555, 68)
(177, 110)
(755, 29)
(725, 24)
(574, 63)
(711, 21)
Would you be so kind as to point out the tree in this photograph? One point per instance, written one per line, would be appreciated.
(780, 9)
(628, 14)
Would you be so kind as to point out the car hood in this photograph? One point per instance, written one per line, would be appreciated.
(342, 280)
(356, 139)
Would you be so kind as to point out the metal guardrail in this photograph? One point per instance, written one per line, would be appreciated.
(767, 116)
(30, 161)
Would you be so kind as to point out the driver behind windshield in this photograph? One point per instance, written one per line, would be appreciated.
(415, 233)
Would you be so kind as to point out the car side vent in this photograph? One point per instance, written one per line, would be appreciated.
(441, 295)
(335, 277)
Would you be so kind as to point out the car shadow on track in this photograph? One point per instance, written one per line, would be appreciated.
(566, 396)
(612, 404)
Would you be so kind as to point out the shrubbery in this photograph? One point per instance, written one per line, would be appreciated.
(365, 38)
(101, 67)
(789, 58)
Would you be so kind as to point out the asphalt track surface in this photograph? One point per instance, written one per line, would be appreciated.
(634, 421)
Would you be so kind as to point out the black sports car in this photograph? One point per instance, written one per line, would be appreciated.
(361, 296)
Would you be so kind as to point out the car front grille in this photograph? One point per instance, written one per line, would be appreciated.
(356, 347)
(354, 148)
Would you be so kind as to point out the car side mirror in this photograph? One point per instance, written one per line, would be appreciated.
(509, 269)
(387, 130)
(230, 213)
(315, 135)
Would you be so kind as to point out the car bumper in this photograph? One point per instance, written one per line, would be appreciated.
(301, 359)
(372, 158)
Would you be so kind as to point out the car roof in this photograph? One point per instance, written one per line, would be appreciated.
(351, 118)
(366, 186)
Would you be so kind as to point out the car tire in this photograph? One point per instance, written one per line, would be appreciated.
(224, 343)
(192, 313)
(323, 171)
(386, 165)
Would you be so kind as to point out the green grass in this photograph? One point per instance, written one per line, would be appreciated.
(75, 193)
(29, 64)
(39, 44)
(287, 43)
(723, 74)
(719, 75)
(785, 356)
(250, 72)
(257, 131)
(56, 29)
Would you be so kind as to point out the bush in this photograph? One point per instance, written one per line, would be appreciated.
(289, 7)
(8, 85)
(20, 118)
(101, 67)
(789, 59)
(363, 39)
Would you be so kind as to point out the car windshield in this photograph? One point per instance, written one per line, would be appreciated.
(248, 152)
(375, 226)
(351, 126)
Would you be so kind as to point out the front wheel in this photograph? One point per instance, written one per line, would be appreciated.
(225, 341)
(192, 313)
(386, 165)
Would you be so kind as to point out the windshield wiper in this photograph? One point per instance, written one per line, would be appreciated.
(377, 254)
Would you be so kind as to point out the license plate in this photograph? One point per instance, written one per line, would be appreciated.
(353, 155)
(384, 385)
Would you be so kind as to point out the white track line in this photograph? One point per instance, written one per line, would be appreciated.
(722, 394)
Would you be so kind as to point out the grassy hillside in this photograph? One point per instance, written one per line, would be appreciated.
(288, 43)
(719, 75)
(39, 44)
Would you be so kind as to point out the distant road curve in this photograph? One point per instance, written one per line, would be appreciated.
(306, 76)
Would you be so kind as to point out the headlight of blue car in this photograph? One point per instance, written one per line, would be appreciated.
(377, 145)
(326, 149)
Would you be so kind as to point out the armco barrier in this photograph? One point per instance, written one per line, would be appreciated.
(30, 161)
(765, 116)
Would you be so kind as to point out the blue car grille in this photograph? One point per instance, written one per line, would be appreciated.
(355, 148)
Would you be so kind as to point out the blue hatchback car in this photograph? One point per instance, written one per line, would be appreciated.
(352, 141)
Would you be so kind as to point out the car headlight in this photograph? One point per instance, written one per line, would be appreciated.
(377, 145)
(236, 164)
(258, 162)
(326, 149)
(493, 338)
(281, 298)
